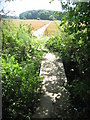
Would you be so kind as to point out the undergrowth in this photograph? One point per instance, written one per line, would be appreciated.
(21, 57)
(73, 46)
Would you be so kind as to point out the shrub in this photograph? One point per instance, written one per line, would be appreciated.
(74, 51)
(20, 71)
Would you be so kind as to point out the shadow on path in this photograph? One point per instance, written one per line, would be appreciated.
(54, 99)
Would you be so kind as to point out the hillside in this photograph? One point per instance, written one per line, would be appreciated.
(41, 14)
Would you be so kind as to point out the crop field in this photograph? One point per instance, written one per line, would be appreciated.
(36, 24)
(52, 29)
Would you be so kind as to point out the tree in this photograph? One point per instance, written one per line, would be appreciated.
(2, 8)
(73, 46)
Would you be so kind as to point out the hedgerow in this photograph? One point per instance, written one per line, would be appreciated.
(73, 46)
(20, 71)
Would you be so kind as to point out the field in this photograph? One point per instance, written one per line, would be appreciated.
(52, 29)
(36, 24)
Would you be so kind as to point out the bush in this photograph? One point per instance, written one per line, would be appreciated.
(20, 71)
(74, 51)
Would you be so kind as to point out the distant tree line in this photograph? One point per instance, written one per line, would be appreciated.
(41, 14)
(8, 16)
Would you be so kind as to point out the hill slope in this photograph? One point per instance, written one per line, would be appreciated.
(41, 14)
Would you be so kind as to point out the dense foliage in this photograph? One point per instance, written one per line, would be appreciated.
(41, 14)
(20, 71)
(21, 62)
(73, 45)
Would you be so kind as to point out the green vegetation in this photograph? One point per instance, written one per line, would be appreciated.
(21, 57)
(73, 46)
(41, 14)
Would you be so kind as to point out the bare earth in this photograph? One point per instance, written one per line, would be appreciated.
(54, 99)
(39, 33)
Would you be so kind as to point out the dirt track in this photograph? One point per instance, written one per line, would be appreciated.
(54, 98)
(39, 33)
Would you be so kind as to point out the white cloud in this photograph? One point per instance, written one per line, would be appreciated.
(23, 5)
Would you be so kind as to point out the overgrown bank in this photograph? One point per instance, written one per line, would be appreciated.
(21, 56)
(73, 46)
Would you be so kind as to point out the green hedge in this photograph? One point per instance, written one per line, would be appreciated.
(74, 51)
(20, 71)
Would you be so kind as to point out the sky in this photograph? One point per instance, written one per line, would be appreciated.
(20, 6)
